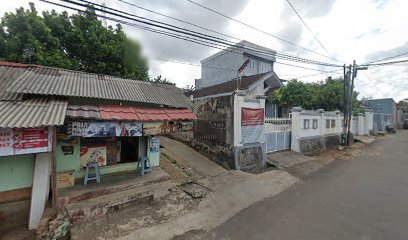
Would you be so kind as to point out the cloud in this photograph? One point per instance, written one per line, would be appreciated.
(171, 48)
(291, 32)
(318, 8)
(387, 53)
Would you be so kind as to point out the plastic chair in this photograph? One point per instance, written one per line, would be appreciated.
(144, 165)
(88, 176)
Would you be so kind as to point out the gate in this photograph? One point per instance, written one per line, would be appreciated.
(277, 134)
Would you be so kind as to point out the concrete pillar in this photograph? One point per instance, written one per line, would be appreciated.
(339, 127)
(369, 115)
(360, 125)
(294, 146)
(40, 189)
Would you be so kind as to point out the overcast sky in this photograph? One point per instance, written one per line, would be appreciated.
(364, 30)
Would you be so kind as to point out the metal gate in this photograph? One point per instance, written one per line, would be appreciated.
(277, 134)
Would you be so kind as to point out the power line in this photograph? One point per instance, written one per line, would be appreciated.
(385, 63)
(178, 20)
(198, 35)
(388, 58)
(198, 65)
(259, 30)
(308, 28)
(228, 43)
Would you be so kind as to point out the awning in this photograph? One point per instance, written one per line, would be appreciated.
(129, 113)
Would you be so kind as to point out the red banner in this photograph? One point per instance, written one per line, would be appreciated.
(23, 141)
(252, 116)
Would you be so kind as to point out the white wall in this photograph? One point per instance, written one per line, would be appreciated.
(300, 131)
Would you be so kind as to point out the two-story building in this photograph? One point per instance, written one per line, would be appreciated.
(219, 69)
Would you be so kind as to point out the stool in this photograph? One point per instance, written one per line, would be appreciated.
(95, 176)
(144, 165)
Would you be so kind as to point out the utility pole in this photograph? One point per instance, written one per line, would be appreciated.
(353, 73)
(346, 74)
(348, 99)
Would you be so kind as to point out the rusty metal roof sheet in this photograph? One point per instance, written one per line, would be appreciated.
(54, 81)
(83, 111)
(128, 113)
(33, 112)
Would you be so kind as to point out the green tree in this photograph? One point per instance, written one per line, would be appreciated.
(328, 95)
(403, 105)
(78, 42)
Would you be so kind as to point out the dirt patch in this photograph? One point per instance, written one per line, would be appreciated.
(195, 190)
(171, 167)
(143, 213)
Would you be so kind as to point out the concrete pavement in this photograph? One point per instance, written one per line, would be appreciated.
(365, 198)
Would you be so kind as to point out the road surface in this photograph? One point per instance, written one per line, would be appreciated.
(364, 199)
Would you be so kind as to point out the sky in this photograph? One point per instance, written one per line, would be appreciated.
(361, 30)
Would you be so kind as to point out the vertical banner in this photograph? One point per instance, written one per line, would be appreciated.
(252, 125)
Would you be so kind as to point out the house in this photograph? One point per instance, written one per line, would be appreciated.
(223, 66)
(385, 110)
(222, 111)
(53, 121)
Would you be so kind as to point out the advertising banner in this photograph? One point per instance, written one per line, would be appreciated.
(93, 154)
(252, 125)
(24, 141)
(152, 128)
(106, 129)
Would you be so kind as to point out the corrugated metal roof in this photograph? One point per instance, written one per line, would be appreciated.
(8, 73)
(128, 113)
(33, 112)
(55, 81)
(117, 112)
(83, 111)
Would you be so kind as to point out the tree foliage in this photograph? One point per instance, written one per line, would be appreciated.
(78, 42)
(328, 95)
(403, 105)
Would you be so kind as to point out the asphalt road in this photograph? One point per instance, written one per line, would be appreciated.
(364, 199)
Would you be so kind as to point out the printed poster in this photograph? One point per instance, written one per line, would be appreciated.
(93, 154)
(106, 129)
(252, 125)
(24, 141)
(152, 128)
(155, 145)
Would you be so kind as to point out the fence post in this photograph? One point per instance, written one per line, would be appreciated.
(294, 146)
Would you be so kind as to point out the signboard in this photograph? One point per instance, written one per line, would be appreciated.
(24, 141)
(93, 154)
(155, 145)
(106, 129)
(152, 128)
(156, 128)
(252, 125)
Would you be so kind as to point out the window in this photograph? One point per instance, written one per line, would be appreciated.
(327, 123)
(315, 125)
(251, 64)
(306, 124)
(333, 123)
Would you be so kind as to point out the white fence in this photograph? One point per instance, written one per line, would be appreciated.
(277, 134)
